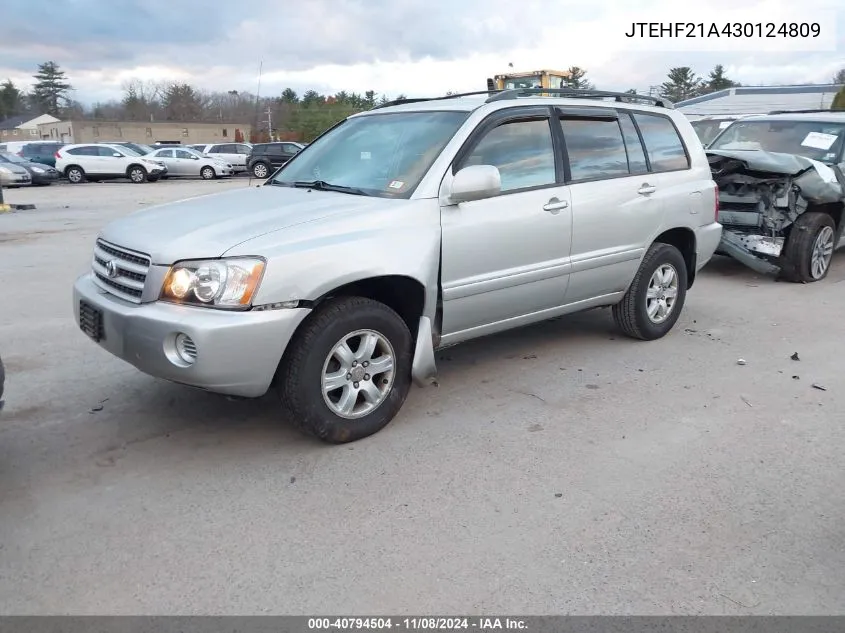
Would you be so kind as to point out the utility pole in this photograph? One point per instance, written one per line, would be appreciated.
(270, 123)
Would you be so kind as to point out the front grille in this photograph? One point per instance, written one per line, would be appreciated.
(120, 271)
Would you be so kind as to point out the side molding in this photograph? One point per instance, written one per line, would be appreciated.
(424, 368)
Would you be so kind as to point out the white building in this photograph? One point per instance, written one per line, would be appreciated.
(23, 127)
(759, 100)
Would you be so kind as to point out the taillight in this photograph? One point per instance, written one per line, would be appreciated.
(57, 155)
(20, 153)
(716, 205)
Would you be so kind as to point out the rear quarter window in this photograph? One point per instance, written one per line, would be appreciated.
(666, 150)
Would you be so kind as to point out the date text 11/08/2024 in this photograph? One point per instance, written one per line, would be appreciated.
(728, 29)
(425, 623)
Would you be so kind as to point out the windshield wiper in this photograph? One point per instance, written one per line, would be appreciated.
(322, 185)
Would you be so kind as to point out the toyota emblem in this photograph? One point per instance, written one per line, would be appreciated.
(112, 269)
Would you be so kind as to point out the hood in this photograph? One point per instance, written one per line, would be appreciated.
(817, 182)
(15, 168)
(208, 226)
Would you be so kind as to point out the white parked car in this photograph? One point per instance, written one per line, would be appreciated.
(235, 154)
(183, 161)
(93, 161)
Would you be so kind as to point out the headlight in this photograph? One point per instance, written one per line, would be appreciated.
(218, 283)
(37, 170)
(5, 170)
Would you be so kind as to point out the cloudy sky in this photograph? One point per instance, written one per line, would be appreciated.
(415, 47)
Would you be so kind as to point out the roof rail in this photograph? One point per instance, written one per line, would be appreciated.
(578, 93)
(802, 111)
(417, 100)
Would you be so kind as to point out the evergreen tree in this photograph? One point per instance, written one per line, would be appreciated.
(682, 84)
(51, 88)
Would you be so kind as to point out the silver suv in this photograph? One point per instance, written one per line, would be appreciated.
(402, 230)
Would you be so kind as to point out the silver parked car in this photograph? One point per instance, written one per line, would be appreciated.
(13, 175)
(403, 230)
(182, 161)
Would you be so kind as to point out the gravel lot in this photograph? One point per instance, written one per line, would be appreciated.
(560, 468)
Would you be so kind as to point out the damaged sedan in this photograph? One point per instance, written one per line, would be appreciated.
(782, 192)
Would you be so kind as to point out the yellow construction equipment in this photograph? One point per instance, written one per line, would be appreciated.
(533, 79)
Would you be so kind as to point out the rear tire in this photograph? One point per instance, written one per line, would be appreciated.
(656, 297)
(330, 349)
(809, 248)
(75, 175)
(137, 174)
(260, 170)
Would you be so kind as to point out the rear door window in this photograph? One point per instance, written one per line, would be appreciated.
(595, 148)
(666, 150)
(85, 150)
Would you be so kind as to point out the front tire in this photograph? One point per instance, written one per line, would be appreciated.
(137, 175)
(656, 297)
(208, 173)
(809, 248)
(347, 371)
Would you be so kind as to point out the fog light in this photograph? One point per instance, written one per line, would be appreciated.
(186, 349)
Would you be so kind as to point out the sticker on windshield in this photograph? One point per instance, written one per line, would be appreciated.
(366, 156)
(396, 184)
(724, 124)
(819, 140)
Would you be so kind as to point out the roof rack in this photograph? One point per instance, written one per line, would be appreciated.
(802, 111)
(417, 100)
(578, 93)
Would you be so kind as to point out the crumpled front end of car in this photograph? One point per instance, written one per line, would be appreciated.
(761, 195)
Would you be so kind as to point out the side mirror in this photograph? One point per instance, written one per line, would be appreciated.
(194, 157)
(117, 155)
(475, 182)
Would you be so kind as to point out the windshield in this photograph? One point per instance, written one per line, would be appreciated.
(708, 130)
(384, 155)
(524, 82)
(7, 157)
(818, 140)
(140, 148)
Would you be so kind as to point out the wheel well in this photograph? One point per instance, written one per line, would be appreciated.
(684, 240)
(403, 294)
(833, 209)
(132, 166)
(69, 167)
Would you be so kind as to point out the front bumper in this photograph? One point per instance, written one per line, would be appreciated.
(237, 353)
(707, 240)
(16, 180)
(46, 178)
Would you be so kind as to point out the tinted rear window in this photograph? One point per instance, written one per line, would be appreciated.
(88, 150)
(41, 149)
(595, 148)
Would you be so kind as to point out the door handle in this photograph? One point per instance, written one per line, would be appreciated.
(554, 206)
(646, 189)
